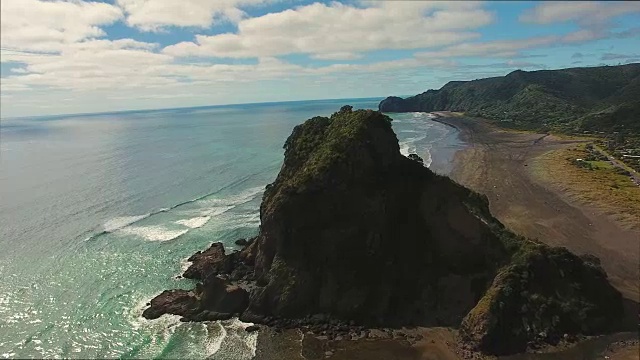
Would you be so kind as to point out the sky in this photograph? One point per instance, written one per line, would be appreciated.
(62, 57)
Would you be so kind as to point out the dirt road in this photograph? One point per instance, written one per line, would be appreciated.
(620, 165)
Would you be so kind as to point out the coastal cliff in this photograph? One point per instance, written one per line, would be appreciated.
(354, 234)
(566, 100)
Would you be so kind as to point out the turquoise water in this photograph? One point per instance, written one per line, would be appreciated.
(99, 212)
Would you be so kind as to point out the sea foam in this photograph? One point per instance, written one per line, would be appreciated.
(233, 200)
(231, 339)
(165, 324)
(409, 145)
(195, 222)
(209, 207)
(122, 221)
(414, 145)
(153, 233)
(214, 341)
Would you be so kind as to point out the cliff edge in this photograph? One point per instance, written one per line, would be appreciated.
(352, 232)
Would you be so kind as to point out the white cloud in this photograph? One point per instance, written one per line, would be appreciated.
(57, 55)
(629, 33)
(34, 25)
(382, 66)
(610, 56)
(514, 48)
(586, 13)
(154, 15)
(509, 64)
(127, 65)
(498, 49)
(337, 56)
(583, 35)
(336, 30)
(89, 65)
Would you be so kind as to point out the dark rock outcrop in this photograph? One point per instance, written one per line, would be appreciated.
(216, 294)
(179, 302)
(214, 299)
(211, 261)
(354, 234)
(346, 254)
(415, 157)
(252, 328)
(541, 296)
(394, 104)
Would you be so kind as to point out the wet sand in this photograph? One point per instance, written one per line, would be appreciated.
(496, 164)
(435, 344)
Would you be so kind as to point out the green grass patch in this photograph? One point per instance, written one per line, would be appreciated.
(601, 165)
(602, 186)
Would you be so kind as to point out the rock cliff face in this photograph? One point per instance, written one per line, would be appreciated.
(541, 295)
(353, 231)
(396, 104)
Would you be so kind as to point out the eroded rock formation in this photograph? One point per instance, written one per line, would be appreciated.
(352, 232)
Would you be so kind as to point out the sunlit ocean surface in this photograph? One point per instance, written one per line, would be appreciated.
(99, 212)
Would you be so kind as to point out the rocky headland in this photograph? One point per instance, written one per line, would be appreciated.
(356, 236)
(602, 98)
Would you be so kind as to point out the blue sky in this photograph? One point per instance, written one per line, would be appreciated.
(79, 56)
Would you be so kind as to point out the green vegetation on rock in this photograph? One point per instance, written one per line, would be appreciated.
(360, 232)
(543, 294)
(352, 231)
(594, 99)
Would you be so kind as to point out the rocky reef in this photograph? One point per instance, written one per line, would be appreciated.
(354, 234)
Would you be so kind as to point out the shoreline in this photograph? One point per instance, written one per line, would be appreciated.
(465, 129)
(442, 119)
(496, 162)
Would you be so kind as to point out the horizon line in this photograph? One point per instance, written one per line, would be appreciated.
(182, 107)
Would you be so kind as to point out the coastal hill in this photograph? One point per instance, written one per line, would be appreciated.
(601, 98)
(355, 235)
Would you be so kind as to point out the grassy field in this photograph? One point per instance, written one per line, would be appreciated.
(603, 187)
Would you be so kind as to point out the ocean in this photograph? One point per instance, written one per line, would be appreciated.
(99, 212)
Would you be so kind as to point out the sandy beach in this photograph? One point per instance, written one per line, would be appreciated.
(497, 163)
